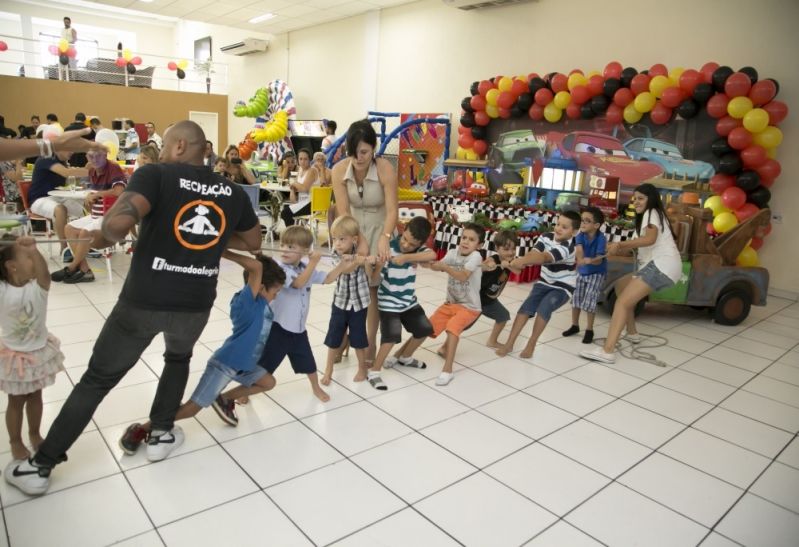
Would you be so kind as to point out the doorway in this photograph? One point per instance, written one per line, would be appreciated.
(209, 121)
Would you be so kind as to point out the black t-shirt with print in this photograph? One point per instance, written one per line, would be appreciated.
(193, 214)
(492, 282)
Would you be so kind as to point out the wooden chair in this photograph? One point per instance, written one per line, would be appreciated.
(321, 197)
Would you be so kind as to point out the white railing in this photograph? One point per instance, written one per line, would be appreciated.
(31, 58)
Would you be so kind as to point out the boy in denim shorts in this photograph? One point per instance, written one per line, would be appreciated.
(234, 361)
(554, 251)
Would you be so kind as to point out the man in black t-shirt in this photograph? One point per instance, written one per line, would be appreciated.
(188, 215)
(79, 158)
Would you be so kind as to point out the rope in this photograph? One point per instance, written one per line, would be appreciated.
(633, 351)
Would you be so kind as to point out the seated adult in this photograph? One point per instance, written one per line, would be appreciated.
(325, 174)
(49, 174)
(286, 165)
(300, 191)
(107, 183)
(237, 170)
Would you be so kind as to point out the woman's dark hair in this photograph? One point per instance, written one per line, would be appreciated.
(653, 201)
(229, 148)
(288, 154)
(360, 131)
(7, 252)
(306, 152)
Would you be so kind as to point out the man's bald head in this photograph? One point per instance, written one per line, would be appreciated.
(184, 142)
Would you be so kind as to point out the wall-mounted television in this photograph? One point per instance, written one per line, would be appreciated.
(202, 49)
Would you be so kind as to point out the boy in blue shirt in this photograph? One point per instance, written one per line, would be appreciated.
(236, 360)
(590, 248)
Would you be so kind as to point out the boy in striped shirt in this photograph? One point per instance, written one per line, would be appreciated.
(396, 298)
(554, 251)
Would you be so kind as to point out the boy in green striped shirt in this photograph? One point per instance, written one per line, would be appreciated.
(396, 297)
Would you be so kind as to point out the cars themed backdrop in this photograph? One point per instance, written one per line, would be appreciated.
(711, 125)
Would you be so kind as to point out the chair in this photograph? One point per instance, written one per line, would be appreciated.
(321, 196)
(24, 186)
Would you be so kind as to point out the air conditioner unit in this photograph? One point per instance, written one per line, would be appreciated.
(246, 47)
(468, 5)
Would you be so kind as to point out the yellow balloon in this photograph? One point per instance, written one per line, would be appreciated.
(593, 73)
(126, 54)
(505, 83)
(656, 86)
(739, 106)
(644, 102)
(715, 204)
(492, 110)
(770, 137)
(756, 120)
(771, 153)
(675, 73)
(113, 150)
(63, 46)
(460, 153)
(471, 154)
(575, 80)
(182, 64)
(552, 113)
(492, 96)
(724, 222)
(562, 99)
(631, 115)
(747, 257)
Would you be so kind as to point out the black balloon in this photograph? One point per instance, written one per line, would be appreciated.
(688, 109)
(181, 74)
(776, 84)
(748, 181)
(627, 76)
(479, 132)
(63, 59)
(467, 118)
(610, 87)
(719, 147)
(751, 72)
(720, 76)
(466, 104)
(760, 196)
(474, 90)
(517, 112)
(525, 101)
(703, 92)
(535, 84)
(599, 104)
(586, 112)
(730, 164)
(131, 68)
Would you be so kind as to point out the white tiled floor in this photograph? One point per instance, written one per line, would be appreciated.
(548, 451)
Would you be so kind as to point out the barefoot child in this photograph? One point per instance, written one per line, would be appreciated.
(30, 357)
(496, 272)
(554, 251)
(234, 361)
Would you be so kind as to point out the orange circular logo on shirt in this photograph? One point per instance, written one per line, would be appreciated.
(199, 225)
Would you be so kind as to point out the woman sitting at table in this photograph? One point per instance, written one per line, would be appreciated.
(300, 190)
(237, 170)
(287, 164)
(325, 174)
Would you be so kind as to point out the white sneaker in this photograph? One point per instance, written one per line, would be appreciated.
(598, 354)
(32, 479)
(159, 447)
(634, 338)
(444, 378)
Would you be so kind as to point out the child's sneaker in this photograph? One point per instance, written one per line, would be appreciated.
(161, 445)
(133, 436)
(634, 338)
(32, 479)
(226, 409)
(598, 354)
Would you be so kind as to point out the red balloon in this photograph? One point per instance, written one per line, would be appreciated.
(640, 83)
(481, 118)
(3, 46)
(120, 62)
(573, 111)
(463, 129)
(717, 105)
(733, 198)
(480, 147)
(753, 156)
(536, 112)
(737, 85)
(777, 111)
(707, 71)
(136, 60)
(543, 96)
(762, 92)
(506, 100)
(769, 171)
(720, 182)
(504, 113)
(612, 70)
(172, 65)
(477, 102)
(660, 114)
(739, 138)
(580, 94)
(614, 113)
(532, 75)
(658, 69)
(623, 97)
(575, 71)
(484, 86)
(746, 211)
(710, 230)
(672, 97)
(72, 52)
(595, 85)
(559, 83)
(689, 79)
(727, 124)
(466, 140)
(756, 243)
(518, 88)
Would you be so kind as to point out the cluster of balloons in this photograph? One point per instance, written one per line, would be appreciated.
(179, 68)
(274, 130)
(129, 61)
(64, 51)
